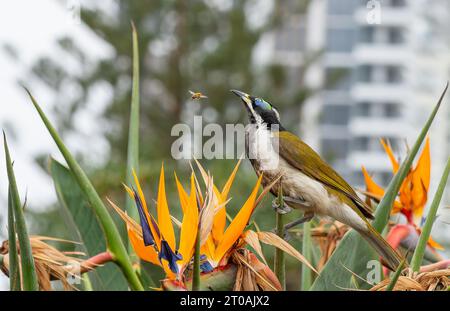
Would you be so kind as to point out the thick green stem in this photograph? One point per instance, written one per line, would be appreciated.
(196, 268)
(395, 277)
(279, 262)
(306, 271)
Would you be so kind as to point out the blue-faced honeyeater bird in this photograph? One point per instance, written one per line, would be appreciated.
(308, 183)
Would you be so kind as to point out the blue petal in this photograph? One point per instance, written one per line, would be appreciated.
(206, 266)
(146, 232)
(172, 257)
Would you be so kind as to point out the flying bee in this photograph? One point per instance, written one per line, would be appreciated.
(197, 95)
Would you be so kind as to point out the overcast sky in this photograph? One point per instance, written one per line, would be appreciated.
(31, 27)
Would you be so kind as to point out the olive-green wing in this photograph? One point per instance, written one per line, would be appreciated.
(304, 158)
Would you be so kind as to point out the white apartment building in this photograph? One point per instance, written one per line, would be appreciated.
(380, 80)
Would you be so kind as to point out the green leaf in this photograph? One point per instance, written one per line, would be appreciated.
(146, 278)
(395, 277)
(113, 239)
(352, 252)
(133, 137)
(133, 132)
(14, 271)
(334, 276)
(29, 278)
(307, 252)
(419, 252)
(83, 226)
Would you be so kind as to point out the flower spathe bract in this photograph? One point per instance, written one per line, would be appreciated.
(163, 251)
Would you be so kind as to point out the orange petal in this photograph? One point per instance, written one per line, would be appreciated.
(164, 220)
(208, 248)
(182, 195)
(192, 195)
(189, 228)
(377, 191)
(421, 181)
(220, 220)
(388, 150)
(139, 189)
(372, 186)
(424, 164)
(147, 253)
(237, 226)
(405, 192)
(229, 183)
(434, 244)
(169, 273)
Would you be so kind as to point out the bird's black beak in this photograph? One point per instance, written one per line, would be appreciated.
(244, 97)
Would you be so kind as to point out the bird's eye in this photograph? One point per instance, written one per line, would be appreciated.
(262, 104)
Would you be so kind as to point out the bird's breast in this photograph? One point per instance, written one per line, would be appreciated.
(266, 160)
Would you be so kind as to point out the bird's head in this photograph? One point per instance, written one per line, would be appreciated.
(259, 111)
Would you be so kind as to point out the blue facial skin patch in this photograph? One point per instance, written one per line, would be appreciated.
(262, 104)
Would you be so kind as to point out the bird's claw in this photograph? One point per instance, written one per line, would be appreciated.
(280, 209)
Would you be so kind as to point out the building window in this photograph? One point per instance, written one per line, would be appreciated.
(335, 114)
(340, 40)
(361, 143)
(362, 109)
(366, 34)
(334, 149)
(339, 7)
(391, 110)
(393, 74)
(398, 3)
(365, 73)
(395, 35)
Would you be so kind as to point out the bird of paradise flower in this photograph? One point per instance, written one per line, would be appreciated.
(411, 200)
(205, 216)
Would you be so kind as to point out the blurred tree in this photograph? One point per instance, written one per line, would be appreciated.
(202, 45)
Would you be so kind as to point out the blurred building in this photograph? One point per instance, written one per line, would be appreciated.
(382, 67)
